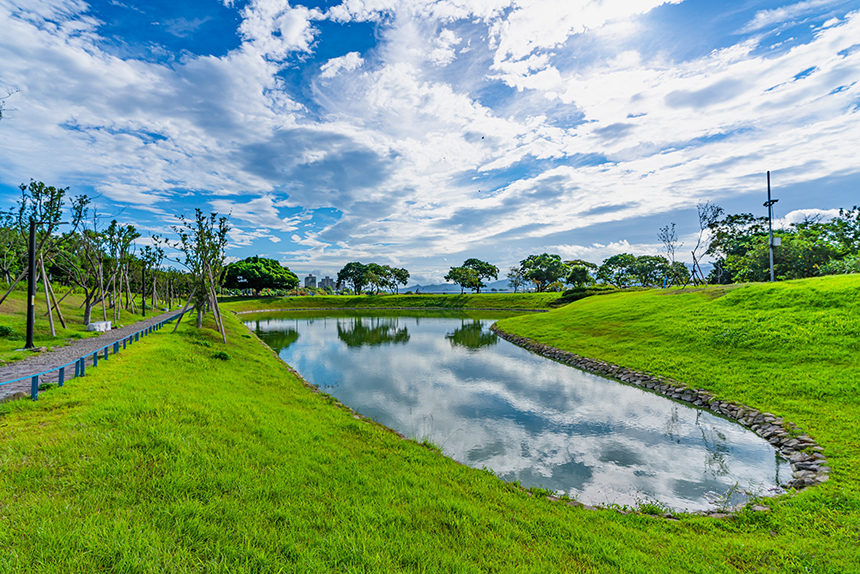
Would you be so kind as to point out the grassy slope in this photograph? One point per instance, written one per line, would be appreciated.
(167, 458)
(13, 313)
(792, 349)
(482, 301)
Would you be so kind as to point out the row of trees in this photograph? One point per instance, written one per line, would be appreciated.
(358, 275)
(103, 261)
(739, 245)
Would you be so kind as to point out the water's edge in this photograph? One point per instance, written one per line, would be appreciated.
(808, 463)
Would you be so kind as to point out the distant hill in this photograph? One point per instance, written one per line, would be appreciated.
(500, 286)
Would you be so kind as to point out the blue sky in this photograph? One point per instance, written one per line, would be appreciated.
(419, 133)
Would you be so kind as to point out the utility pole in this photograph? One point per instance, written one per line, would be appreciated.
(31, 281)
(769, 205)
(143, 287)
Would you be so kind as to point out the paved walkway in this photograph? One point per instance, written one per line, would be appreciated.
(39, 362)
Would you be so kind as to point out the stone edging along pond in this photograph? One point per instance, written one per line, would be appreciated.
(808, 463)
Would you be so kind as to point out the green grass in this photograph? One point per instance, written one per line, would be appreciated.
(185, 454)
(481, 301)
(13, 316)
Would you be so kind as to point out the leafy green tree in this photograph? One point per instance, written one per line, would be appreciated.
(650, 270)
(483, 270)
(579, 272)
(378, 276)
(259, 273)
(400, 276)
(543, 269)
(465, 277)
(354, 274)
(617, 270)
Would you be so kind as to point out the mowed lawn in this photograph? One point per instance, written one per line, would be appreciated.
(184, 454)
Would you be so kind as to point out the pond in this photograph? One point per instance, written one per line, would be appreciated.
(485, 402)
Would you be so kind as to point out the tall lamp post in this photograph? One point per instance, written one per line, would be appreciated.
(31, 280)
(769, 205)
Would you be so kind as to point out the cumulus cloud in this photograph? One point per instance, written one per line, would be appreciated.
(464, 126)
(348, 62)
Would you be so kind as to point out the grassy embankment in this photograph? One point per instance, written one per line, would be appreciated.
(168, 458)
(13, 314)
(482, 301)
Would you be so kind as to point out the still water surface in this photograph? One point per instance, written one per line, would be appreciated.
(488, 403)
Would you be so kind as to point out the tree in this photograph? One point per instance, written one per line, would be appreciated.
(708, 214)
(543, 269)
(579, 272)
(482, 269)
(203, 241)
(617, 270)
(669, 237)
(399, 276)
(259, 273)
(378, 276)
(650, 270)
(465, 277)
(354, 274)
(516, 277)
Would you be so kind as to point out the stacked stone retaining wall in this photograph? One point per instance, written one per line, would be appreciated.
(808, 463)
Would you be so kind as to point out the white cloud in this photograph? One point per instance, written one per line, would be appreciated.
(274, 29)
(765, 18)
(349, 62)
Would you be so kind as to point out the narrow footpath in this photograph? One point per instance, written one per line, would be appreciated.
(39, 362)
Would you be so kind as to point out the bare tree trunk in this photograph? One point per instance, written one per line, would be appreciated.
(88, 307)
(102, 289)
(47, 297)
(215, 309)
(129, 295)
(56, 304)
(154, 295)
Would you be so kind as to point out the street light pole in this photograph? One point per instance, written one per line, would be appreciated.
(31, 287)
(31, 281)
(769, 204)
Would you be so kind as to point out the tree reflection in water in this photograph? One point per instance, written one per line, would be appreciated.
(371, 332)
(472, 336)
(279, 340)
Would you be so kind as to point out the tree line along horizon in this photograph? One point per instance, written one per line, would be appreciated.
(738, 243)
(103, 262)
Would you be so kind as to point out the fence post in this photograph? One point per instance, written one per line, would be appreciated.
(136, 337)
(62, 378)
(83, 366)
(96, 359)
(106, 353)
(34, 387)
(77, 368)
(124, 341)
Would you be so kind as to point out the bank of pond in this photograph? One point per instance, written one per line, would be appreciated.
(445, 378)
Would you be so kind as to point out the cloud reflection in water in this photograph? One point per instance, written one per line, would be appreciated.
(491, 404)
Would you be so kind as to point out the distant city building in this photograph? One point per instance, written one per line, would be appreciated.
(327, 282)
(310, 281)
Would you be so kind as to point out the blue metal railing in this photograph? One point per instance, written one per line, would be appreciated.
(81, 362)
